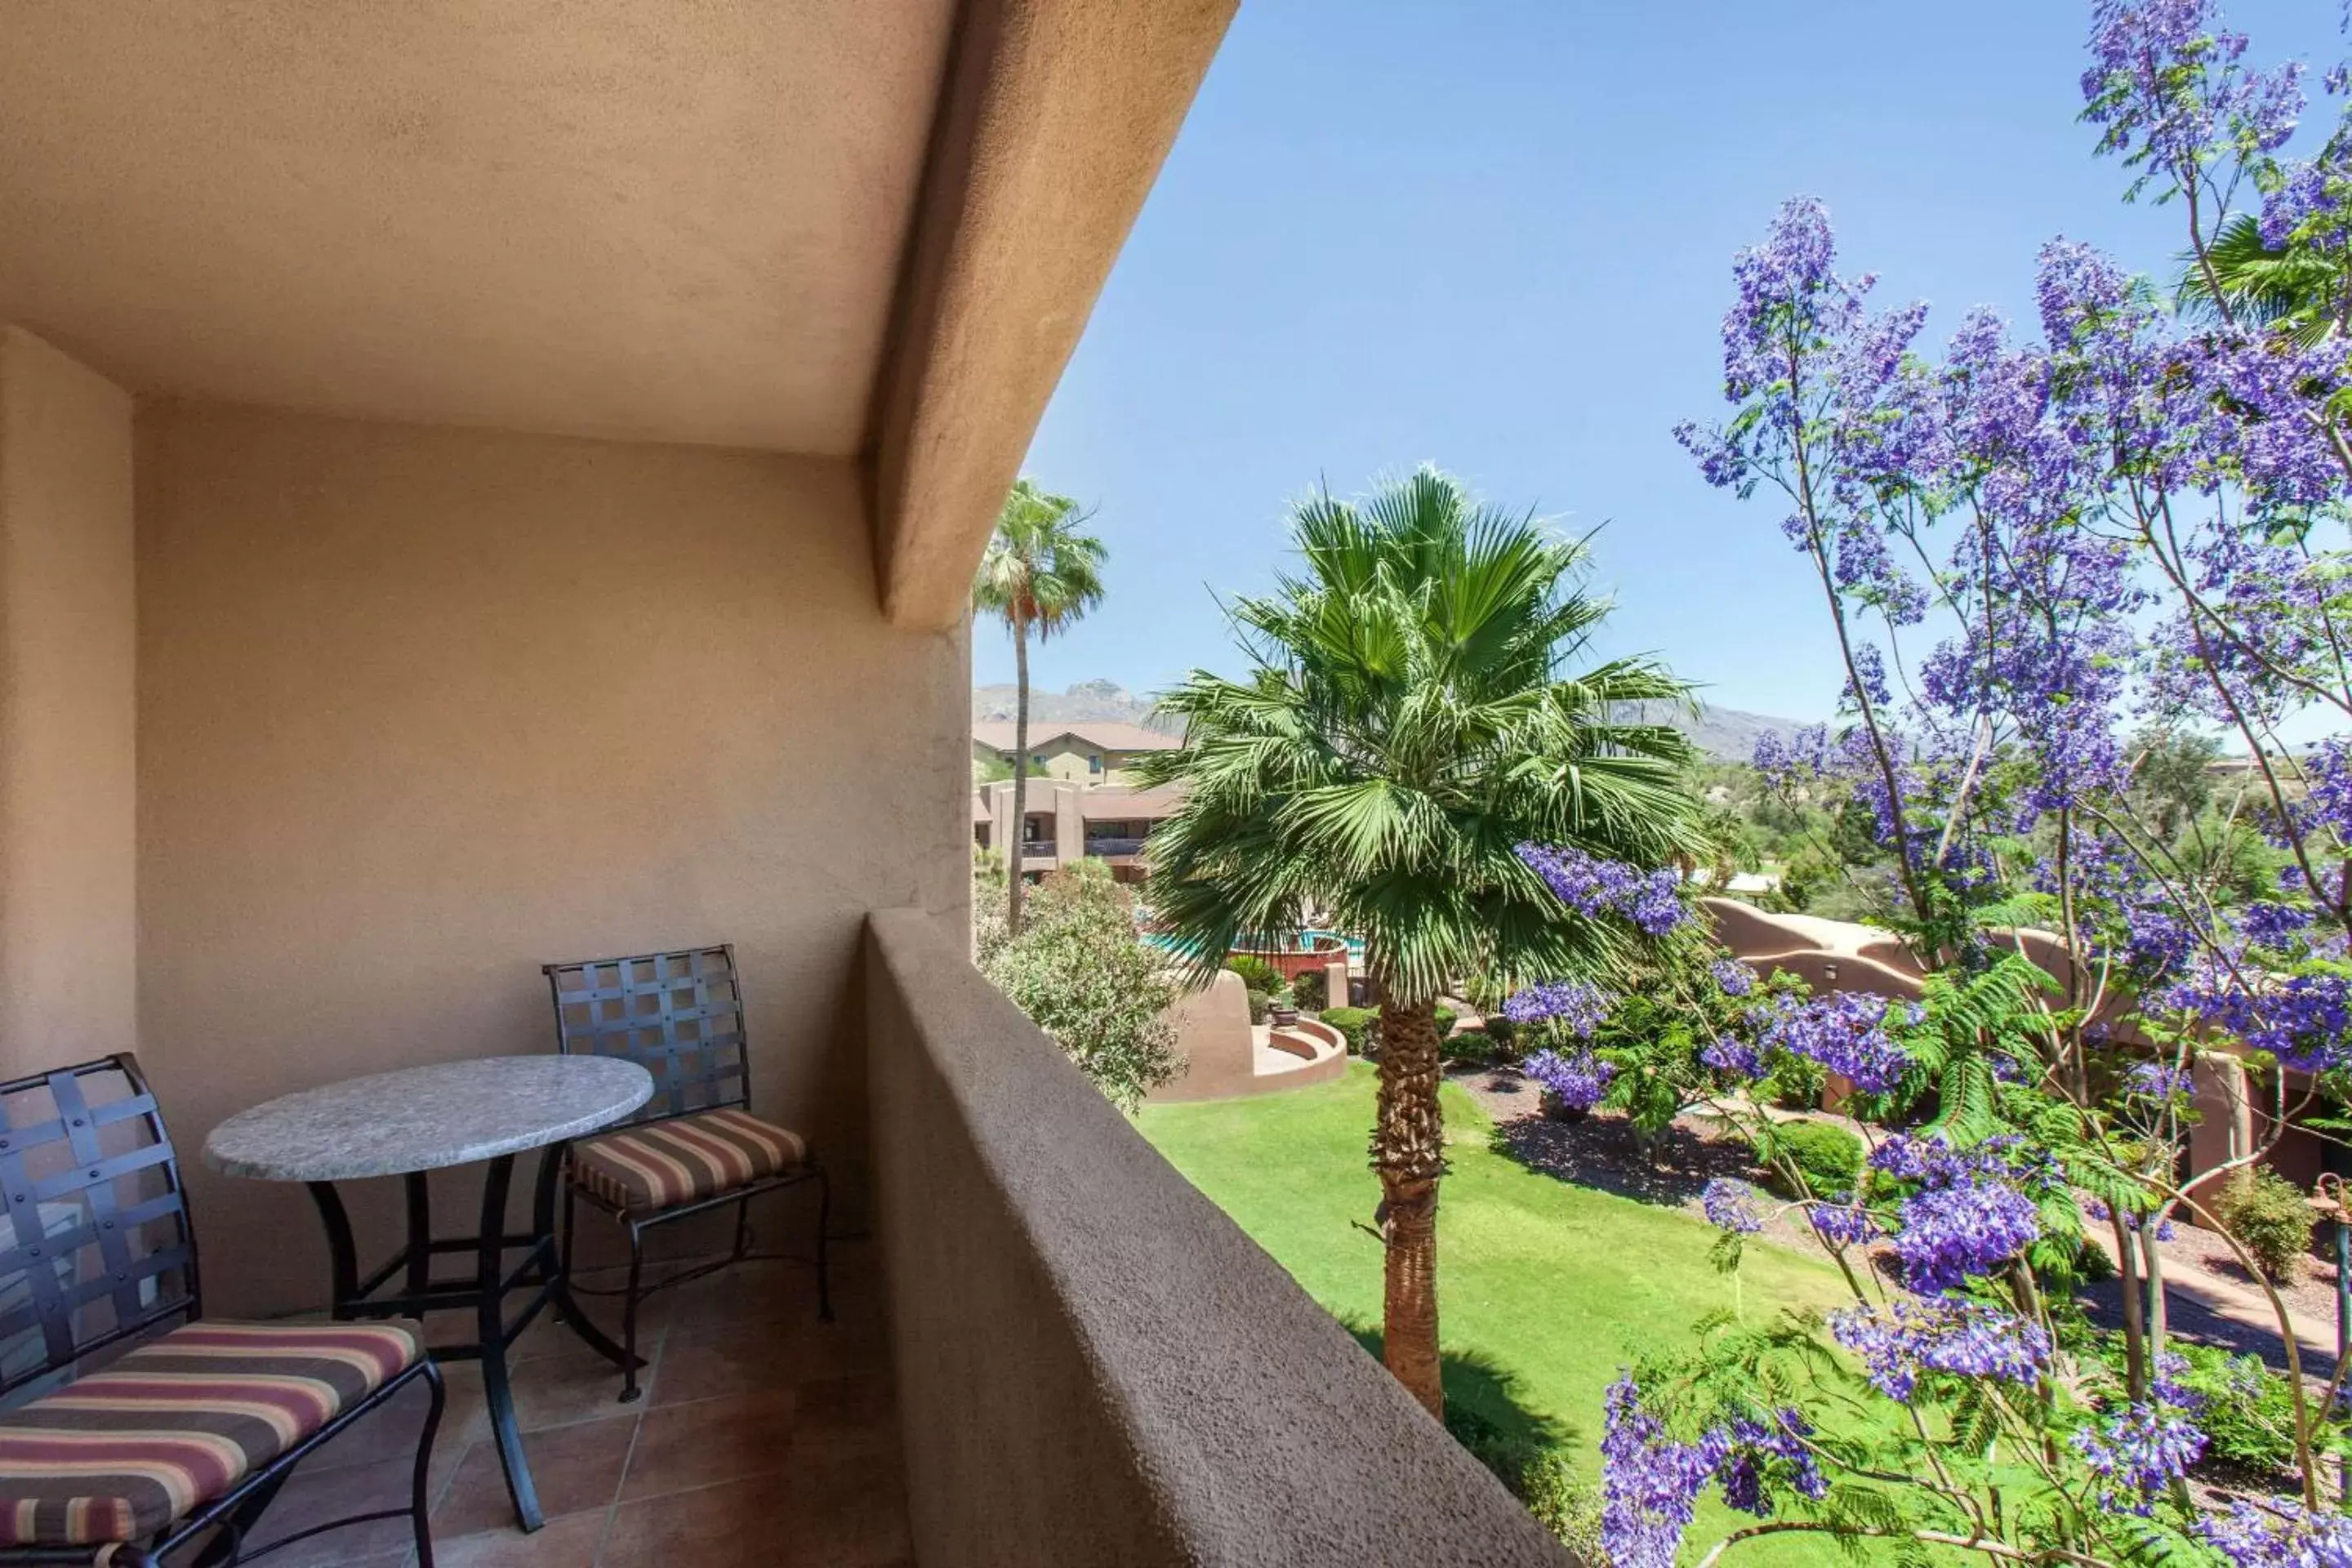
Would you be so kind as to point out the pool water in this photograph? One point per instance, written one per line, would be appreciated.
(1300, 943)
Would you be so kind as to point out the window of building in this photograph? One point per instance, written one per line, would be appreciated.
(1093, 764)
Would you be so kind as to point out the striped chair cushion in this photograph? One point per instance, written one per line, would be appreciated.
(662, 1164)
(179, 1421)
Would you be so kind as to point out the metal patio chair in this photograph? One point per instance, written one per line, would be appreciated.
(695, 1146)
(130, 1423)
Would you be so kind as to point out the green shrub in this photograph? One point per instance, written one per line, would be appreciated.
(2248, 1411)
(1257, 973)
(1540, 1475)
(1311, 990)
(1471, 1048)
(1356, 1023)
(1828, 1156)
(1484, 993)
(1793, 1082)
(1260, 1005)
(1446, 1017)
(1504, 1035)
(2268, 1215)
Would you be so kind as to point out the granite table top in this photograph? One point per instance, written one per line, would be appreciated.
(426, 1117)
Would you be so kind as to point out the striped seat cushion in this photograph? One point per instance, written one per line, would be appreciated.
(179, 1421)
(662, 1164)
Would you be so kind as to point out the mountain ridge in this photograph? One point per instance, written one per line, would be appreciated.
(1725, 734)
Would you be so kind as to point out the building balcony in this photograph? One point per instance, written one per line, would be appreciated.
(1114, 848)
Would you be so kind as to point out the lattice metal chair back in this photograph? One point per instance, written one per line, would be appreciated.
(124, 1435)
(95, 1247)
(695, 1145)
(679, 1015)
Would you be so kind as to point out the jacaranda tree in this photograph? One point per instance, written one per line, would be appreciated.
(2028, 546)
(1416, 707)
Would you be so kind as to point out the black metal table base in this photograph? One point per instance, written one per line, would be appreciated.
(484, 1293)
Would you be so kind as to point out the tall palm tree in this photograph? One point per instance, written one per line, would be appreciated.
(1039, 573)
(1410, 716)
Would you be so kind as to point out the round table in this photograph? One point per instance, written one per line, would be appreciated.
(415, 1119)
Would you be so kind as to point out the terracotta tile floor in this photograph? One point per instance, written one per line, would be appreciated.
(764, 1437)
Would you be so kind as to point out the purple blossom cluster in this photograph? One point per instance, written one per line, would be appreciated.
(2305, 1020)
(1846, 1032)
(1597, 888)
(1577, 1082)
(1948, 1236)
(1732, 977)
(2279, 1533)
(1843, 1224)
(2171, 87)
(2142, 1448)
(2155, 1081)
(1731, 1205)
(1651, 1483)
(1576, 1005)
(1943, 1334)
(1970, 1216)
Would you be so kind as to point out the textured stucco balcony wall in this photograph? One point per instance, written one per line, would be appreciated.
(67, 937)
(1095, 1365)
(421, 708)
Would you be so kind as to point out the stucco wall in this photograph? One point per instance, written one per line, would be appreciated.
(421, 708)
(67, 936)
(1095, 1366)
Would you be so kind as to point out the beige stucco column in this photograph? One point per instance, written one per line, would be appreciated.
(2225, 1125)
(68, 718)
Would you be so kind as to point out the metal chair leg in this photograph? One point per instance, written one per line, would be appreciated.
(742, 1230)
(630, 1392)
(823, 1224)
(420, 1505)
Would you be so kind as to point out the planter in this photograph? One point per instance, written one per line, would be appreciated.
(1554, 1110)
(1282, 1017)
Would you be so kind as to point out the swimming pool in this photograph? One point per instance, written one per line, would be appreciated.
(1304, 940)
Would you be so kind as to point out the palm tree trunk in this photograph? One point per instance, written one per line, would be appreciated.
(1019, 772)
(1409, 1152)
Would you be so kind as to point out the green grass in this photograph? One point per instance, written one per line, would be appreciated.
(1545, 1291)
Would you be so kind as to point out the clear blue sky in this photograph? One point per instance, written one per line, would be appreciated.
(1498, 236)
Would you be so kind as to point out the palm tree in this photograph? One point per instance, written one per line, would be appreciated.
(1409, 718)
(1040, 574)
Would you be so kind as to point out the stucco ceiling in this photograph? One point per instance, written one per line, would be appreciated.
(638, 218)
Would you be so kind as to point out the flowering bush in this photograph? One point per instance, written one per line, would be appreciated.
(2037, 550)
(1573, 1082)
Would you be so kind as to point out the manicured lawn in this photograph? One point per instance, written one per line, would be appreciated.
(1546, 1290)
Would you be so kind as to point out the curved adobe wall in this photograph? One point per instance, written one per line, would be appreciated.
(1095, 1365)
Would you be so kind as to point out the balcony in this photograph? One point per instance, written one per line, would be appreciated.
(1094, 1365)
(1039, 849)
(1113, 847)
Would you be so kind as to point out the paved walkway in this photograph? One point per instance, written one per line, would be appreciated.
(2202, 1305)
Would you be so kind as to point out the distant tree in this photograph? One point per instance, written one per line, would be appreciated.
(1077, 968)
(1415, 709)
(1039, 574)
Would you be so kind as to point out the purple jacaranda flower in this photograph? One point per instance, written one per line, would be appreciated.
(1731, 1205)
(1577, 1006)
(1760, 1448)
(1945, 1335)
(1732, 977)
(1730, 1053)
(2279, 1533)
(2156, 1080)
(1649, 1483)
(1577, 1082)
(1846, 1032)
(2140, 1450)
(1842, 1224)
(1596, 887)
(1948, 1235)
